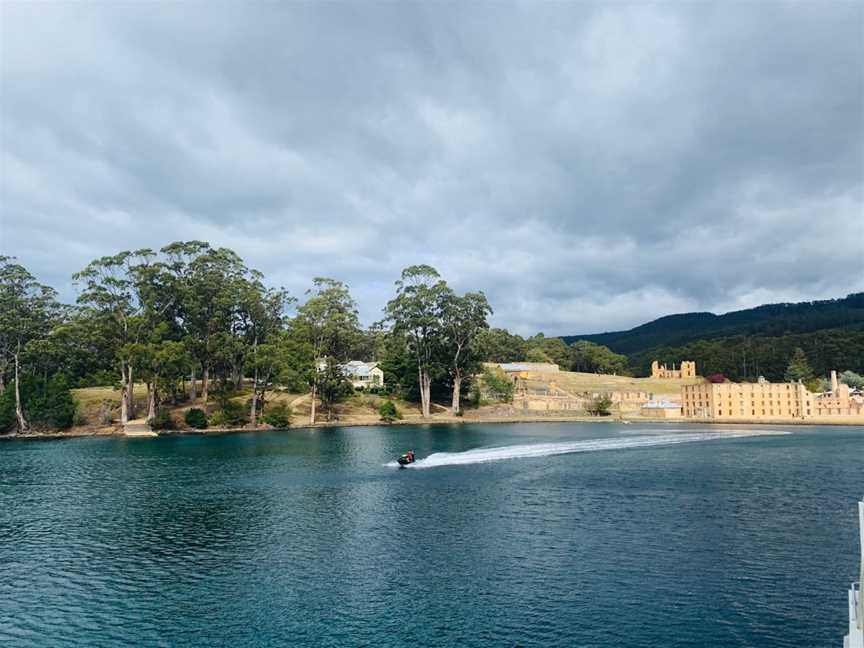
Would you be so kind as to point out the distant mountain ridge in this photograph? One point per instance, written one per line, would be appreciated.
(768, 320)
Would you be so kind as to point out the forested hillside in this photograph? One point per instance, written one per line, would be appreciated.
(749, 343)
(768, 320)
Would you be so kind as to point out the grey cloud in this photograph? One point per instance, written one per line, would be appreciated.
(589, 166)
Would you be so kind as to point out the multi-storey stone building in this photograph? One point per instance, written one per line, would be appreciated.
(746, 400)
(764, 400)
(687, 369)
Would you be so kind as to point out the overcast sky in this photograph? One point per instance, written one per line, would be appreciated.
(590, 167)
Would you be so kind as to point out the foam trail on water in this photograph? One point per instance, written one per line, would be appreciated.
(482, 455)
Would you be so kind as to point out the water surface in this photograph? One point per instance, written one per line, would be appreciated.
(563, 535)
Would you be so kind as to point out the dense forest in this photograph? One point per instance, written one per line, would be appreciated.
(745, 344)
(194, 323)
(769, 320)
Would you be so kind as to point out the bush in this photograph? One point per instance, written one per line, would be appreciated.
(100, 378)
(196, 418)
(279, 416)
(498, 384)
(600, 406)
(46, 405)
(388, 412)
(232, 414)
(217, 419)
(162, 420)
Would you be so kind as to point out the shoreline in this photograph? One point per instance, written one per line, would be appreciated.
(114, 433)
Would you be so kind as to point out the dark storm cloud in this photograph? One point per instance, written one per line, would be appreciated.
(589, 167)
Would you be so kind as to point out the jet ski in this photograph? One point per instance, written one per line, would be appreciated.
(407, 458)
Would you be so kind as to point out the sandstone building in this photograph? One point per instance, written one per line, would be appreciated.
(687, 369)
(764, 400)
(661, 410)
(746, 401)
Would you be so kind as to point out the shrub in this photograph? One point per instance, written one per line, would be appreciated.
(279, 416)
(46, 404)
(388, 412)
(162, 420)
(196, 418)
(600, 406)
(217, 419)
(232, 414)
(498, 384)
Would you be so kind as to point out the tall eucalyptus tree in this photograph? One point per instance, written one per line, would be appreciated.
(462, 318)
(28, 311)
(416, 314)
(329, 326)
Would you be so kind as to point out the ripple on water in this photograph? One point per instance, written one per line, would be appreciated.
(305, 539)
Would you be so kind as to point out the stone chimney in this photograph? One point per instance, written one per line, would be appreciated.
(834, 386)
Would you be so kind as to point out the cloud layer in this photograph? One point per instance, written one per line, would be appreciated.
(589, 166)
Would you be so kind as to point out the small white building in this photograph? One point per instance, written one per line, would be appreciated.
(363, 374)
(661, 409)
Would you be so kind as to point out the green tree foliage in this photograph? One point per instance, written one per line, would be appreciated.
(462, 319)
(553, 350)
(28, 312)
(162, 420)
(49, 405)
(768, 321)
(278, 416)
(416, 315)
(600, 406)
(799, 368)
(497, 384)
(196, 418)
(595, 358)
(388, 411)
(745, 358)
(229, 413)
(499, 345)
(115, 291)
(328, 327)
(854, 380)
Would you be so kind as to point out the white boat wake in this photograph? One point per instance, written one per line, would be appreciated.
(483, 455)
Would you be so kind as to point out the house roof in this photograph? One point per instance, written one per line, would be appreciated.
(358, 368)
(661, 405)
(514, 366)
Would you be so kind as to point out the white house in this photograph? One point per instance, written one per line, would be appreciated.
(363, 374)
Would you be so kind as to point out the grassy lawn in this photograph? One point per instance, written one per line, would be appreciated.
(575, 382)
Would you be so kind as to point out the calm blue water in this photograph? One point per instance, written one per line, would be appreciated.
(306, 538)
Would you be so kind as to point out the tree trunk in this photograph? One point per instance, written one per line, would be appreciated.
(421, 378)
(124, 404)
(253, 415)
(130, 393)
(205, 385)
(151, 402)
(312, 412)
(457, 392)
(425, 393)
(19, 411)
(193, 392)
